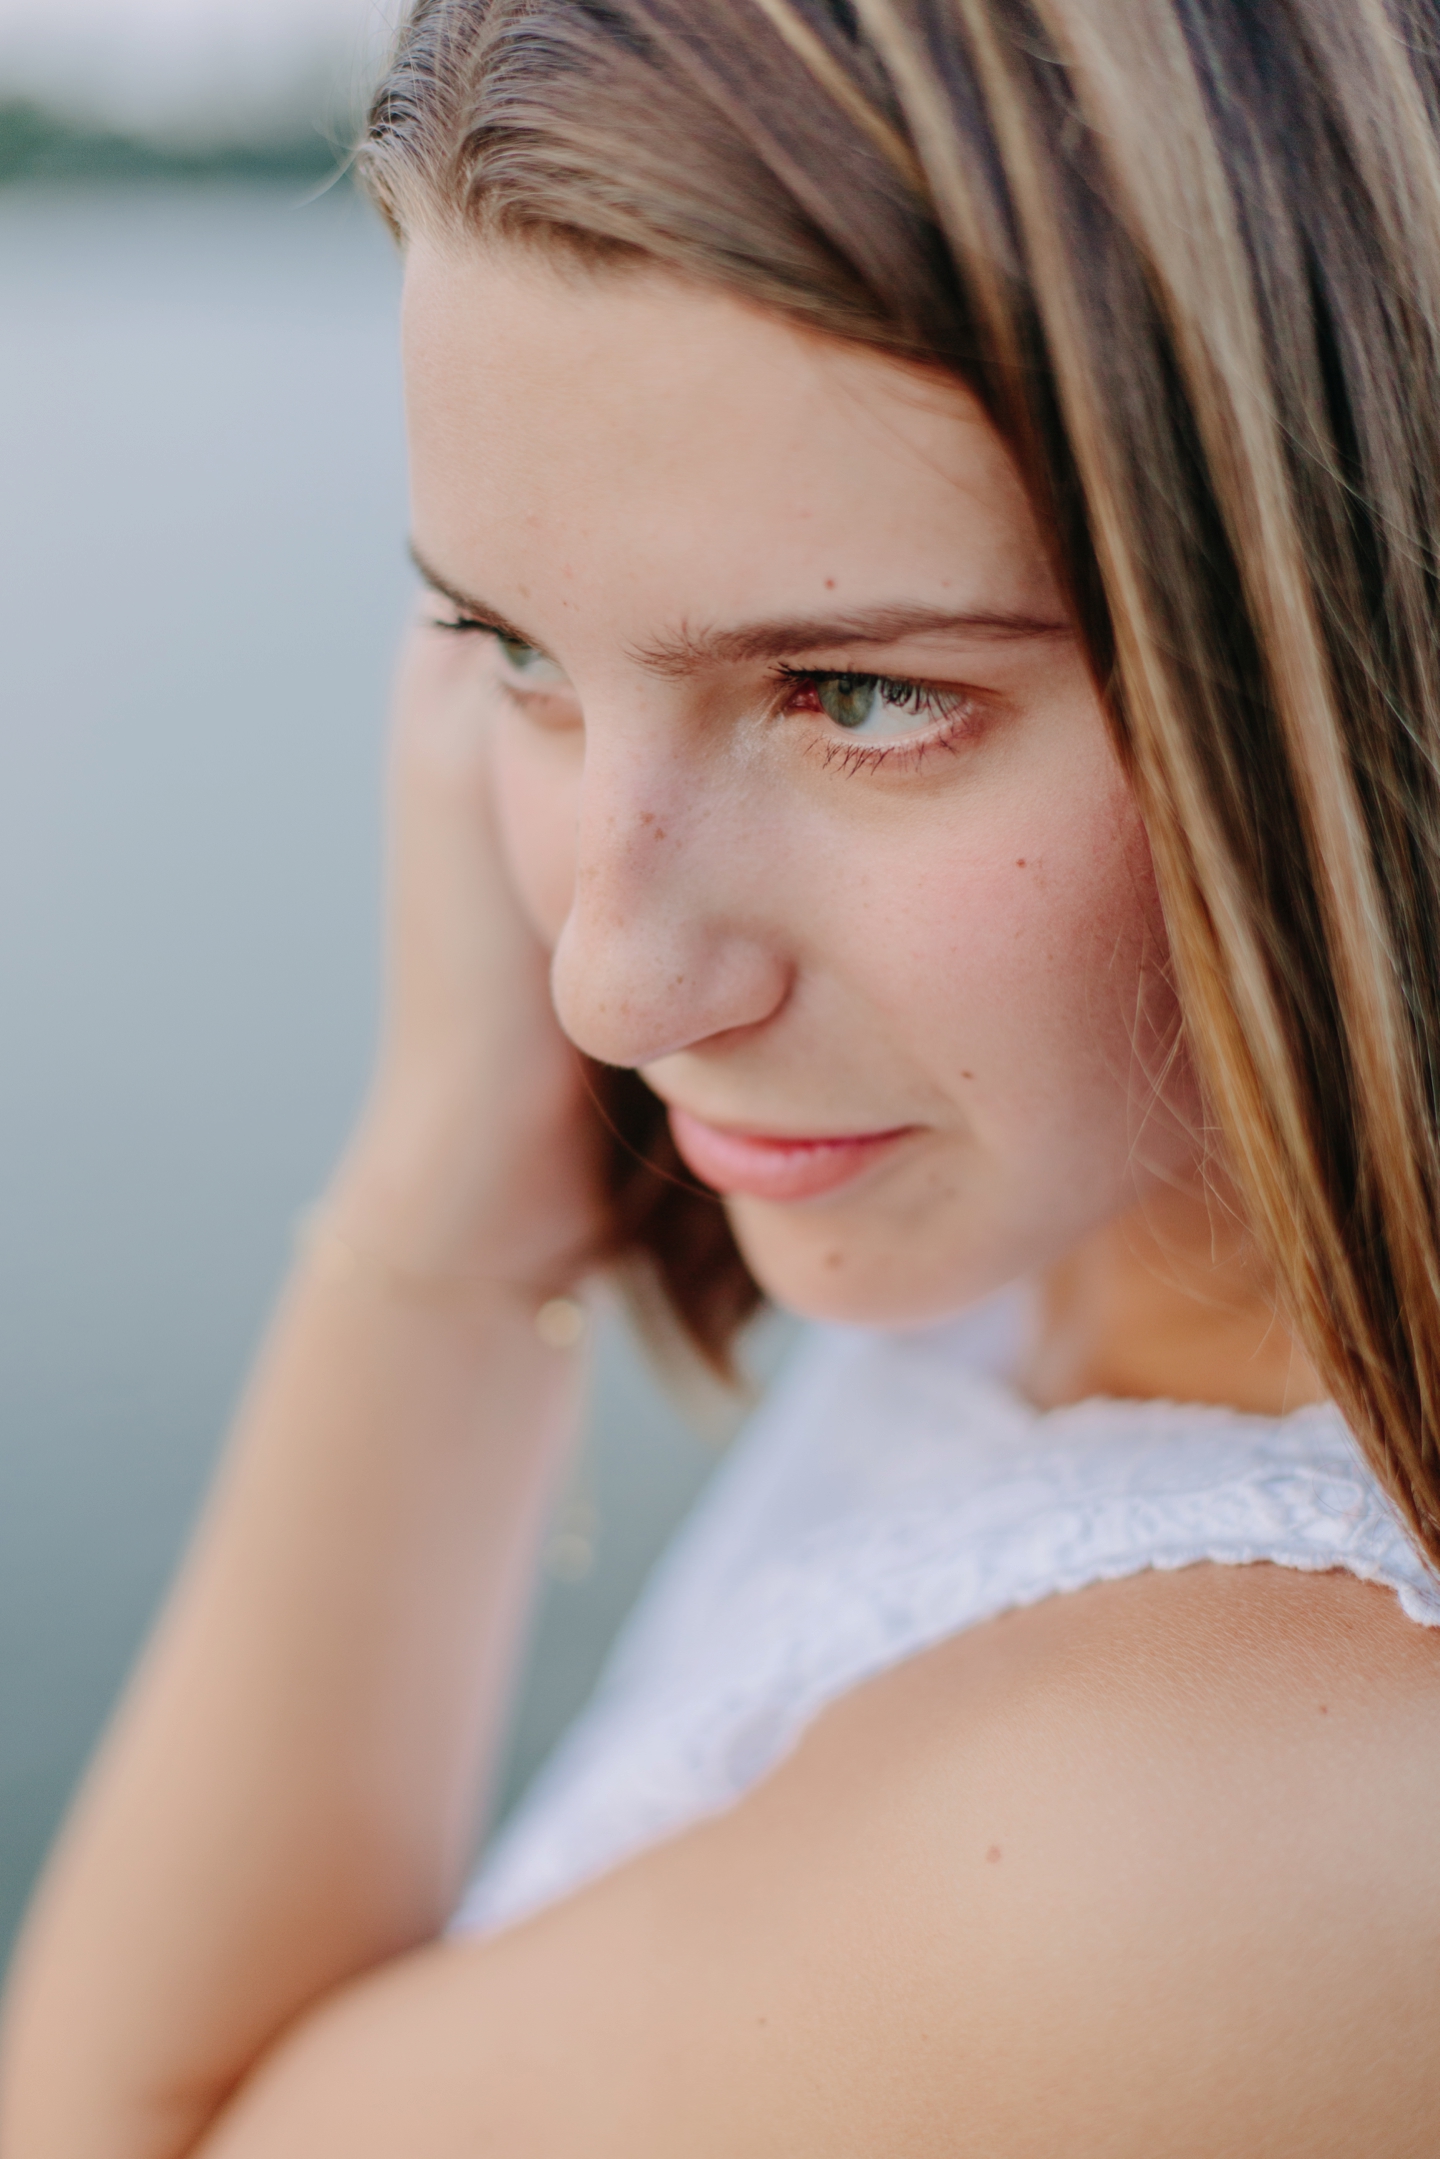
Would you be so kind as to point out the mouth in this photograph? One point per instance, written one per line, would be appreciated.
(779, 1166)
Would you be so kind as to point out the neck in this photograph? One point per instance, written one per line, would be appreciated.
(1171, 1301)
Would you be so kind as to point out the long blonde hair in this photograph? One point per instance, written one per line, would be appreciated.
(1187, 253)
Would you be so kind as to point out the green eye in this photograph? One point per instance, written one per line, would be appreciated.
(849, 700)
(876, 706)
(521, 657)
(527, 660)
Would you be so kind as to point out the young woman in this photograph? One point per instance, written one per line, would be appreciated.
(927, 725)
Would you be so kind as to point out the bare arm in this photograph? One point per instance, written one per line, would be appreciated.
(1096, 1879)
(288, 1793)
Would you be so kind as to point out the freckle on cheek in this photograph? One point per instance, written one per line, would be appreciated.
(834, 1259)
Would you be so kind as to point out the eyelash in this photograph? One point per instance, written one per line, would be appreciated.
(463, 624)
(953, 709)
(953, 712)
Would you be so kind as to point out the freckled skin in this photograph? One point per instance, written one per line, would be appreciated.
(610, 461)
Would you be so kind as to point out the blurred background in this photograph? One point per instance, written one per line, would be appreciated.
(202, 519)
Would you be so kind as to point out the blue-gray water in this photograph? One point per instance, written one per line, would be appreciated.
(201, 576)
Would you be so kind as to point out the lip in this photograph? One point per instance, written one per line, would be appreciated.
(778, 1166)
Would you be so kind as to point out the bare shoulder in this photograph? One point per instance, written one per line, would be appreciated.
(1191, 1893)
(1154, 1867)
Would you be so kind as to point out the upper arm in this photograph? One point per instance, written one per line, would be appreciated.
(1142, 1870)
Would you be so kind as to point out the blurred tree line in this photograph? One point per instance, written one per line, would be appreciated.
(36, 144)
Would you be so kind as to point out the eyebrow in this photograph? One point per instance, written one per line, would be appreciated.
(788, 636)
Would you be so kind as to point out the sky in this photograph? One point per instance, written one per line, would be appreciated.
(183, 66)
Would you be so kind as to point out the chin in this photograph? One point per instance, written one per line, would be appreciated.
(821, 1264)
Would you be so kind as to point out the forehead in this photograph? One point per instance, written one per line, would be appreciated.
(570, 427)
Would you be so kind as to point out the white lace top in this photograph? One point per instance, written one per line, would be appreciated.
(893, 1490)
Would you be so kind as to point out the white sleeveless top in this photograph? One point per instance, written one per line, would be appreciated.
(892, 1491)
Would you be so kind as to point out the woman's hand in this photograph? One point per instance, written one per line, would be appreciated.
(479, 1150)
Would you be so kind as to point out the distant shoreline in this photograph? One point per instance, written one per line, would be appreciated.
(36, 144)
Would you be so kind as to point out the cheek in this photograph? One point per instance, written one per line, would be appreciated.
(1020, 969)
(537, 790)
(999, 988)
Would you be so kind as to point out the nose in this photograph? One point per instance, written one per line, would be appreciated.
(665, 946)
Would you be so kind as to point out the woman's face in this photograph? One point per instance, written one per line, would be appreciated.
(800, 774)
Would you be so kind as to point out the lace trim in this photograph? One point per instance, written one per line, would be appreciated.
(1030, 1508)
